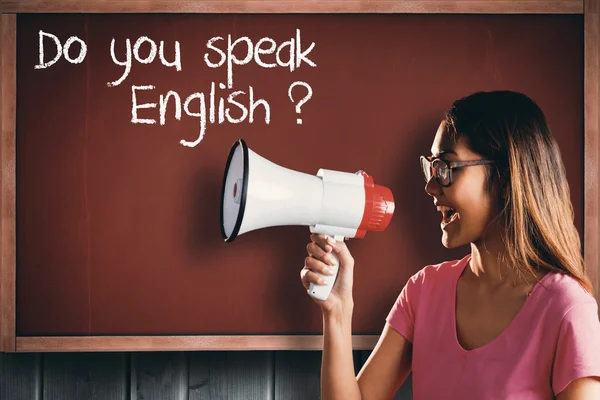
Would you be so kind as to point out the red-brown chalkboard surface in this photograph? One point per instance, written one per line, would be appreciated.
(118, 222)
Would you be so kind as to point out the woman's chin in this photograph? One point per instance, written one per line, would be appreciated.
(451, 241)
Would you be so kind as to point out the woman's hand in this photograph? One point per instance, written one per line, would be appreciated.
(319, 251)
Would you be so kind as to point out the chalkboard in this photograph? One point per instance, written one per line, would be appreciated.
(117, 201)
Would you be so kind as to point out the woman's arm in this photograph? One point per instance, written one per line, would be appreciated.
(387, 367)
(581, 389)
(338, 380)
(382, 375)
(389, 363)
(576, 367)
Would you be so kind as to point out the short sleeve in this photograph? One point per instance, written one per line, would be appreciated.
(402, 314)
(578, 348)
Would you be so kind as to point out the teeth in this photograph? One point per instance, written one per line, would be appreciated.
(447, 212)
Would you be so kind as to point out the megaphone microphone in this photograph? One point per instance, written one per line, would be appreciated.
(258, 193)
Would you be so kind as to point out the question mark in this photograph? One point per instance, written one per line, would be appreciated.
(304, 99)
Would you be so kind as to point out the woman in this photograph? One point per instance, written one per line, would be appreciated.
(515, 318)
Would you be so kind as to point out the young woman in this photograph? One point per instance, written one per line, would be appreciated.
(515, 318)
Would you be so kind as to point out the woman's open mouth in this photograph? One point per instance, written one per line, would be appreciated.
(449, 215)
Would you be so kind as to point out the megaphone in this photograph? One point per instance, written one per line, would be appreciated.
(258, 193)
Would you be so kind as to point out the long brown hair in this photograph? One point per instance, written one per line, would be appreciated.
(535, 206)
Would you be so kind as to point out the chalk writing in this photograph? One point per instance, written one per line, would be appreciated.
(222, 104)
(60, 50)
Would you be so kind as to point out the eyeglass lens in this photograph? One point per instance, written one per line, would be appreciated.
(438, 168)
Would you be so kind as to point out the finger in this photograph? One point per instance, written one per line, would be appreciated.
(304, 278)
(318, 266)
(320, 240)
(340, 249)
(316, 251)
(307, 277)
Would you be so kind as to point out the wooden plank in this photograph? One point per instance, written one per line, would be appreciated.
(300, 6)
(165, 343)
(85, 376)
(592, 142)
(7, 191)
(20, 376)
(231, 375)
(159, 376)
(297, 375)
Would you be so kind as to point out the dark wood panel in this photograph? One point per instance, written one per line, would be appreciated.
(20, 376)
(297, 375)
(280, 375)
(159, 376)
(231, 375)
(98, 376)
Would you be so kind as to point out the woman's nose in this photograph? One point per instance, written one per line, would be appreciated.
(432, 187)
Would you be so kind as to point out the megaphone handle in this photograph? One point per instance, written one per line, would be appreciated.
(321, 292)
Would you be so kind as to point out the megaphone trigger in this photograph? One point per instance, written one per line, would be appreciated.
(334, 238)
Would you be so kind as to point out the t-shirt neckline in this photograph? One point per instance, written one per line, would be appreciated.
(506, 331)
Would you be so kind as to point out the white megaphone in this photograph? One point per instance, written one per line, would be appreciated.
(258, 193)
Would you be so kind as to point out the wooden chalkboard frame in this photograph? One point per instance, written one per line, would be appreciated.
(10, 342)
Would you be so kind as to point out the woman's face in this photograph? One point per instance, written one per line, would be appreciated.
(466, 206)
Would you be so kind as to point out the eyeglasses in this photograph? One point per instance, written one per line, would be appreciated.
(441, 170)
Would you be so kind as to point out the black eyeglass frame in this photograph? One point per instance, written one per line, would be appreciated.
(450, 165)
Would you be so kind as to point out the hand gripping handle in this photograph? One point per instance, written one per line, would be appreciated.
(321, 292)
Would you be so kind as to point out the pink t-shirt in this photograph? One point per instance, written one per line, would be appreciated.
(554, 339)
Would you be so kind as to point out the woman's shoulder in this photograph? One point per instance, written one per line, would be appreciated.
(561, 292)
(441, 270)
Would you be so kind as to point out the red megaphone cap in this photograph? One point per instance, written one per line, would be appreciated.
(379, 208)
